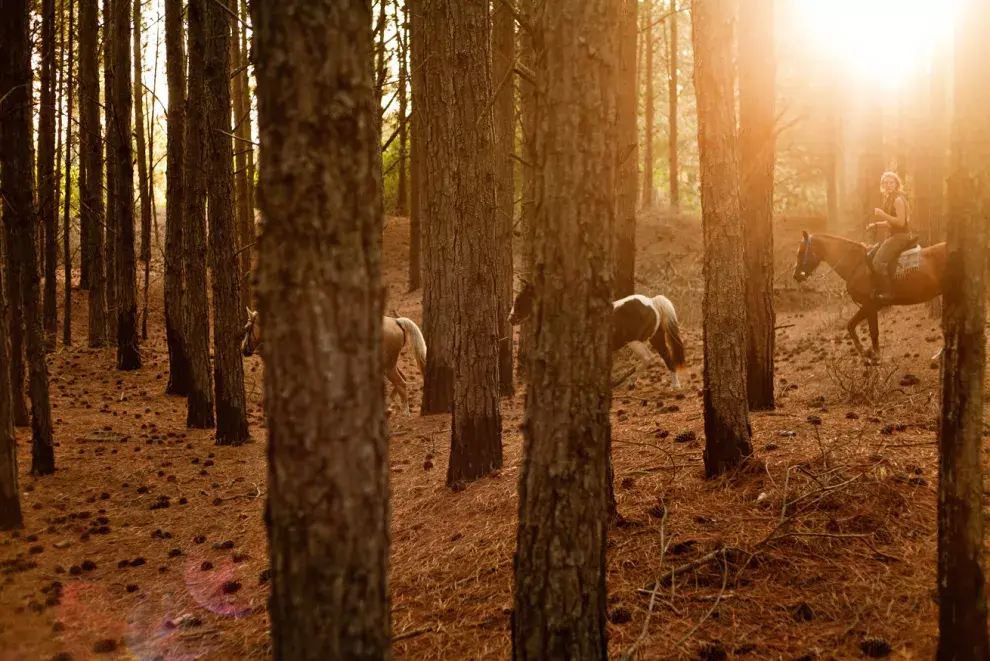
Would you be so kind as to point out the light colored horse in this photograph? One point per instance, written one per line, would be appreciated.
(637, 321)
(847, 258)
(394, 333)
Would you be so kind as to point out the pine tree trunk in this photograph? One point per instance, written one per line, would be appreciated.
(757, 67)
(320, 268)
(241, 196)
(627, 177)
(179, 374)
(248, 131)
(726, 413)
(461, 149)
(560, 597)
(417, 173)
(110, 240)
(197, 311)
(649, 190)
(228, 365)
(142, 159)
(438, 230)
(17, 182)
(503, 59)
(940, 76)
(66, 243)
(47, 184)
(672, 163)
(128, 355)
(91, 151)
(527, 122)
(402, 189)
(10, 502)
(961, 579)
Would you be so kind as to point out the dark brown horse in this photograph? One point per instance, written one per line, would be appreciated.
(918, 278)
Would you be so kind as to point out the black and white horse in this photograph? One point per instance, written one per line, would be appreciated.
(637, 321)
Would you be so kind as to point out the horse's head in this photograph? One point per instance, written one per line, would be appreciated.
(252, 336)
(807, 259)
(522, 307)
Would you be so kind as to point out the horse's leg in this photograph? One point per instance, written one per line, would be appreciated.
(395, 376)
(851, 328)
(645, 358)
(871, 317)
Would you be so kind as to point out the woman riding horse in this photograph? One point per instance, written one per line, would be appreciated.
(896, 218)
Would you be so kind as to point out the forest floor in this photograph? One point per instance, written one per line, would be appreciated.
(149, 542)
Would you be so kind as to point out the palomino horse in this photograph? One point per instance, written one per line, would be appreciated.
(394, 333)
(636, 320)
(847, 258)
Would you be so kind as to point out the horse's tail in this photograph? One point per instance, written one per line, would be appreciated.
(418, 343)
(668, 321)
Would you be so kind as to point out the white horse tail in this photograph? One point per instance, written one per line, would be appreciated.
(418, 343)
(672, 333)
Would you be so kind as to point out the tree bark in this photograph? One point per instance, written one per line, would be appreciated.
(402, 188)
(726, 411)
(321, 295)
(461, 152)
(417, 173)
(625, 221)
(47, 183)
(649, 191)
(16, 181)
(672, 164)
(503, 61)
(144, 182)
(961, 578)
(241, 196)
(527, 175)
(197, 312)
(179, 369)
(128, 355)
(757, 67)
(66, 243)
(228, 366)
(440, 151)
(10, 502)
(939, 120)
(110, 229)
(91, 150)
(560, 597)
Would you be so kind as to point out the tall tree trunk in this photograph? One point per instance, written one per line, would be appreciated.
(320, 269)
(228, 366)
(10, 501)
(757, 67)
(128, 356)
(47, 183)
(649, 190)
(527, 175)
(461, 151)
(67, 255)
(672, 163)
(144, 182)
(110, 105)
(91, 151)
(503, 61)
(940, 76)
(417, 173)
(248, 131)
(179, 374)
(16, 181)
(961, 579)
(197, 312)
(560, 597)
(241, 197)
(438, 230)
(726, 411)
(380, 57)
(402, 189)
(627, 176)
(11, 59)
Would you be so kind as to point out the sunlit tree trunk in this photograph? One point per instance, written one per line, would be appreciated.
(402, 187)
(672, 93)
(47, 183)
(91, 157)
(503, 59)
(648, 193)
(627, 177)
(144, 182)
(417, 173)
(66, 243)
(110, 225)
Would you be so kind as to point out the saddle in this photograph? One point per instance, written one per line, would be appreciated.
(908, 260)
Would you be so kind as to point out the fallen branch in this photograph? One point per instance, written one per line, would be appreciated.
(622, 379)
(411, 633)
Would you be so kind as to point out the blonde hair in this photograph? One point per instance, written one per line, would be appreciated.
(894, 176)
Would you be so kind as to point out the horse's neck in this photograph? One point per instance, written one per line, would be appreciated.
(843, 255)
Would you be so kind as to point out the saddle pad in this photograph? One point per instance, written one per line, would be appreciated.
(908, 262)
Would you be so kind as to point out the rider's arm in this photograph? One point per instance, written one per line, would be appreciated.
(896, 221)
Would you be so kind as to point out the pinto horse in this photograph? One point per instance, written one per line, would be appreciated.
(636, 321)
(395, 331)
(911, 285)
